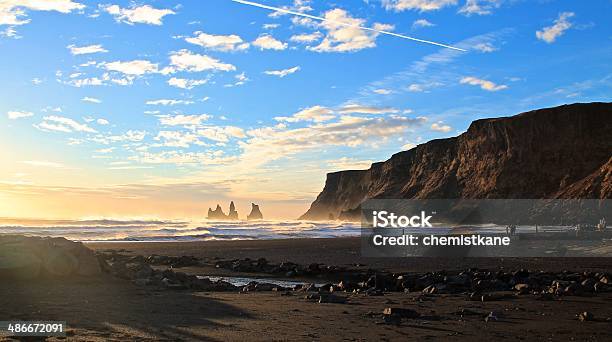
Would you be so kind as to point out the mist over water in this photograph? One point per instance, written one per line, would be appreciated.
(155, 230)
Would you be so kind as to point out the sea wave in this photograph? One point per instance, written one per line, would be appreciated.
(157, 230)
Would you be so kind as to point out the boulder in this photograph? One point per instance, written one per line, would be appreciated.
(60, 263)
(585, 316)
(22, 266)
(24, 257)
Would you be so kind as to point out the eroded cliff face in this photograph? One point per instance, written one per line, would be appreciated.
(561, 152)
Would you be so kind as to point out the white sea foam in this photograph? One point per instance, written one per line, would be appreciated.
(142, 230)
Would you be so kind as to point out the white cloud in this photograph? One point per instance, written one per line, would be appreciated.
(322, 114)
(422, 23)
(241, 79)
(221, 133)
(183, 120)
(178, 139)
(346, 163)
(267, 42)
(185, 83)
(269, 26)
(91, 100)
(315, 113)
(408, 146)
(141, 14)
(479, 7)
(298, 6)
(102, 122)
(12, 12)
(14, 115)
(93, 81)
(84, 50)
(185, 60)
(344, 35)
(360, 109)
(37, 81)
(440, 127)
(306, 37)
(63, 124)
(168, 102)
(282, 73)
(483, 84)
(420, 5)
(134, 68)
(271, 143)
(218, 43)
(10, 32)
(485, 47)
(382, 91)
(551, 33)
(174, 157)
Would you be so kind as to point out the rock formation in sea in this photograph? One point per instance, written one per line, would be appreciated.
(233, 214)
(255, 213)
(218, 213)
(561, 152)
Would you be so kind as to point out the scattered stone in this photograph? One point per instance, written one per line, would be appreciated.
(492, 317)
(585, 316)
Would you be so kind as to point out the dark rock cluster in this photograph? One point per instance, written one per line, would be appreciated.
(475, 284)
(287, 269)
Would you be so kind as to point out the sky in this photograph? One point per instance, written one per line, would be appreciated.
(161, 109)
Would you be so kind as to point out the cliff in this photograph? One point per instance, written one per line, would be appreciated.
(561, 152)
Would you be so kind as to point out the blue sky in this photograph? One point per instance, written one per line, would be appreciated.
(163, 108)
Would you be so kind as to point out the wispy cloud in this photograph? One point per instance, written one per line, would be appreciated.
(85, 50)
(63, 124)
(440, 127)
(14, 115)
(483, 84)
(479, 7)
(418, 5)
(91, 99)
(551, 33)
(422, 23)
(282, 73)
(186, 83)
(168, 102)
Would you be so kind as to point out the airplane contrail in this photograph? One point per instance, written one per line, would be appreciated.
(277, 9)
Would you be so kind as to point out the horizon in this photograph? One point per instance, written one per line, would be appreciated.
(160, 110)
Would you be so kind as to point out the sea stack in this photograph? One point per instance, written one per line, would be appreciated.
(233, 214)
(216, 214)
(255, 213)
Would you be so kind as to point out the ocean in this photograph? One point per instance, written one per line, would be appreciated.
(154, 230)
